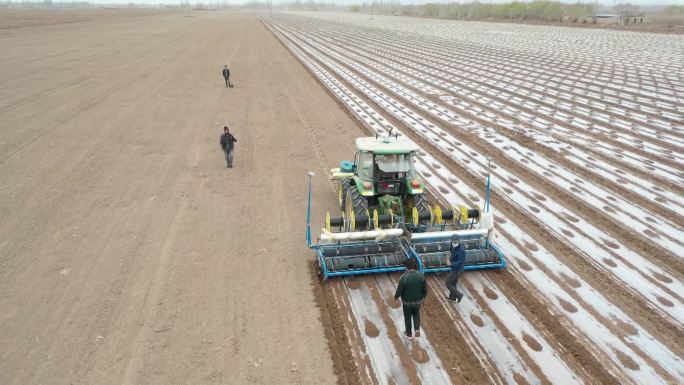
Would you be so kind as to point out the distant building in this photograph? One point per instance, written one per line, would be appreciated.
(616, 18)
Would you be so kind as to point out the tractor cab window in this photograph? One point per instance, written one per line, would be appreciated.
(394, 164)
(365, 166)
(411, 173)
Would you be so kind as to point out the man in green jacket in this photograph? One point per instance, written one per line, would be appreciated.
(412, 289)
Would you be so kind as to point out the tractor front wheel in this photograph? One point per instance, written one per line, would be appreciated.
(420, 202)
(342, 186)
(354, 206)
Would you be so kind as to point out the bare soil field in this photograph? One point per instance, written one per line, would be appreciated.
(130, 254)
(11, 18)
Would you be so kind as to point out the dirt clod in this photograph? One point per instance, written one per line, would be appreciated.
(571, 281)
(532, 343)
(609, 262)
(567, 306)
(490, 293)
(568, 233)
(477, 320)
(524, 265)
(661, 277)
(420, 355)
(519, 379)
(651, 233)
(611, 244)
(665, 301)
(370, 328)
(626, 360)
(627, 328)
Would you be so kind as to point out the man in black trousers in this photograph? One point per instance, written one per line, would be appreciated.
(227, 144)
(412, 289)
(226, 76)
(457, 262)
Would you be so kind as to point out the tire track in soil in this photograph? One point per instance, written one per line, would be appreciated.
(346, 365)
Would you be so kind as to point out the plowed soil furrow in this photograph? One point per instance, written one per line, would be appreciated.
(441, 68)
(585, 75)
(530, 255)
(663, 304)
(531, 333)
(617, 179)
(437, 114)
(466, 52)
(470, 79)
(554, 298)
(672, 245)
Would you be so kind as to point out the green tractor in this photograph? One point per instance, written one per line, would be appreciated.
(380, 185)
(386, 218)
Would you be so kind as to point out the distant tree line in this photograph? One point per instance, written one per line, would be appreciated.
(538, 10)
(675, 9)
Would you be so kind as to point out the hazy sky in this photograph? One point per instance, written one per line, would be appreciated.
(603, 2)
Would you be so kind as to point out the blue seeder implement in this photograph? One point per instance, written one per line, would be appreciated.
(381, 245)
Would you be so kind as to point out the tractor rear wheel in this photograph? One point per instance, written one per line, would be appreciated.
(342, 186)
(420, 202)
(354, 206)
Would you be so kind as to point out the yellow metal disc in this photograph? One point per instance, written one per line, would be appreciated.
(438, 215)
(352, 221)
(464, 215)
(327, 220)
(415, 218)
(340, 192)
(376, 220)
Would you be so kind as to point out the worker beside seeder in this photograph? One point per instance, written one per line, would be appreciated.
(386, 218)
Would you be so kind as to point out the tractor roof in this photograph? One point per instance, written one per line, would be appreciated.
(385, 145)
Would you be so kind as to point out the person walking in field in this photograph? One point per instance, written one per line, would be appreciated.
(226, 76)
(227, 143)
(412, 290)
(457, 263)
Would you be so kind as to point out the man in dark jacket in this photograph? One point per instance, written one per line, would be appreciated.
(226, 76)
(457, 260)
(412, 289)
(227, 143)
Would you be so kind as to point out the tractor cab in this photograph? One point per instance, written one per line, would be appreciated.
(387, 163)
(385, 218)
(381, 179)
